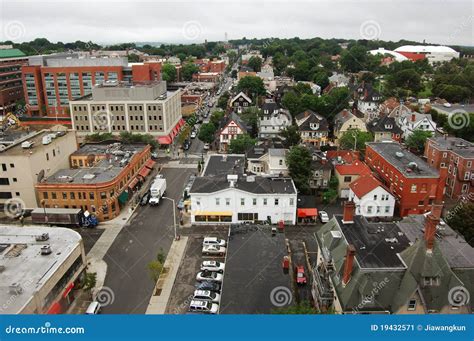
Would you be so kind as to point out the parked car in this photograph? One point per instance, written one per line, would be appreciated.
(154, 156)
(206, 146)
(213, 265)
(145, 198)
(198, 306)
(300, 275)
(93, 308)
(207, 285)
(323, 216)
(207, 295)
(186, 144)
(180, 204)
(210, 250)
(209, 276)
(213, 241)
(193, 135)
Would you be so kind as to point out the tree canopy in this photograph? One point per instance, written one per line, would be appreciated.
(417, 139)
(298, 160)
(241, 143)
(168, 72)
(357, 137)
(252, 86)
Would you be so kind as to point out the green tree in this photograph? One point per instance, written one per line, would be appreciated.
(352, 136)
(299, 160)
(250, 117)
(233, 74)
(292, 102)
(133, 58)
(252, 86)
(90, 280)
(417, 139)
(188, 70)
(355, 59)
(255, 63)
(241, 143)
(223, 100)
(168, 72)
(291, 136)
(216, 118)
(206, 133)
(460, 219)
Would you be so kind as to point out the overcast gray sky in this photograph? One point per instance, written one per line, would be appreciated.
(185, 21)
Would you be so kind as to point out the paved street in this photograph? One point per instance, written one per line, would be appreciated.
(149, 232)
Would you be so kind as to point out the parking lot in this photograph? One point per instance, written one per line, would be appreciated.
(185, 282)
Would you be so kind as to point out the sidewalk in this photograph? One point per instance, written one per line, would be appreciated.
(162, 291)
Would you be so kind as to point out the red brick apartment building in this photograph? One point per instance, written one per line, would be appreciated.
(50, 82)
(457, 156)
(415, 185)
(11, 89)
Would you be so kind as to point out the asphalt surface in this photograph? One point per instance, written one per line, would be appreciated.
(149, 232)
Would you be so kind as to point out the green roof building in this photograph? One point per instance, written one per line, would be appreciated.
(11, 86)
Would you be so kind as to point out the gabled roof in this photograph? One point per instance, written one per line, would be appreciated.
(384, 124)
(367, 93)
(240, 94)
(308, 117)
(235, 118)
(271, 106)
(365, 184)
(355, 168)
(347, 156)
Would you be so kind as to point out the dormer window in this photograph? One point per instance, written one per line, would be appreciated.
(430, 281)
(266, 111)
(388, 126)
(314, 126)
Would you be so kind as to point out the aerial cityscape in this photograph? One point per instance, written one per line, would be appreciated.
(222, 164)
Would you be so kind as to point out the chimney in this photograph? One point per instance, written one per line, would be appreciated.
(437, 209)
(348, 263)
(344, 113)
(430, 230)
(349, 210)
(413, 117)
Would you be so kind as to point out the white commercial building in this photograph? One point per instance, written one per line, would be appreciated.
(432, 53)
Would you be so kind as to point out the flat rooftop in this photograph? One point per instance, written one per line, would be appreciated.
(402, 160)
(377, 244)
(114, 161)
(224, 164)
(35, 140)
(455, 144)
(20, 254)
(457, 252)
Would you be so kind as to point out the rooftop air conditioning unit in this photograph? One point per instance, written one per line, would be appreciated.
(46, 250)
(42, 237)
(15, 289)
(26, 144)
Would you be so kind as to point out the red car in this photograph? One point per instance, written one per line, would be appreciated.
(300, 275)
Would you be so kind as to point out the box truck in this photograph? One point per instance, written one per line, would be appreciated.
(157, 190)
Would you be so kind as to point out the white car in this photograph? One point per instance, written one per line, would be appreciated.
(209, 250)
(198, 306)
(213, 241)
(323, 216)
(206, 146)
(207, 295)
(93, 308)
(213, 265)
(193, 135)
(209, 276)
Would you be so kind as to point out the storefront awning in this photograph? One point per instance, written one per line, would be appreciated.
(307, 212)
(217, 213)
(55, 308)
(150, 163)
(164, 139)
(123, 197)
(133, 183)
(144, 172)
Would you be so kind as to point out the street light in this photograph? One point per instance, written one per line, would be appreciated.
(174, 216)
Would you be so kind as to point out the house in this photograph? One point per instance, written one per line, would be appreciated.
(371, 198)
(387, 106)
(339, 80)
(385, 128)
(264, 160)
(231, 127)
(313, 128)
(345, 121)
(240, 102)
(415, 121)
(368, 100)
(321, 171)
(347, 173)
(415, 185)
(457, 155)
(409, 267)
(237, 198)
(273, 120)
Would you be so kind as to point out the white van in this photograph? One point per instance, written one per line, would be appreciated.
(93, 308)
(207, 295)
(198, 306)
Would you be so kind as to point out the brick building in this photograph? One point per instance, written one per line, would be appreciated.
(11, 89)
(100, 179)
(415, 185)
(50, 82)
(457, 156)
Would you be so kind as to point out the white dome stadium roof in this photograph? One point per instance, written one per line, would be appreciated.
(426, 49)
(398, 57)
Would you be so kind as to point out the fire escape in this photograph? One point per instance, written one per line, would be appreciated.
(323, 291)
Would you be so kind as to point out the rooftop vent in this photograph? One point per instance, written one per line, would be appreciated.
(251, 178)
(413, 165)
(399, 154)
(27, 144)
(15, 289)
(391, 240)
(42, 237)
(88, 176)
(46, 250)
(65, 178)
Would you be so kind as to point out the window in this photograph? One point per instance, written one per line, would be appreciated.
(264, 201)
(5, 195)
(281, 162)
(375, 197)
(421, 203)
(276, 201)
(72, 195)
(45, 195)
(469, 164)
(227, 201)
(413, 188)
(347, 179)
(64, 195)
(218, 201)
(387, 209)
(254, 201)
(47, 157)
(53, 195)
(411, 305)
(369, 209)
(292, 201)
(103, 195)
(12, 165)
(242, 201)
(4, 167)
(4, 181)
(91, 195)
(430, 281)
